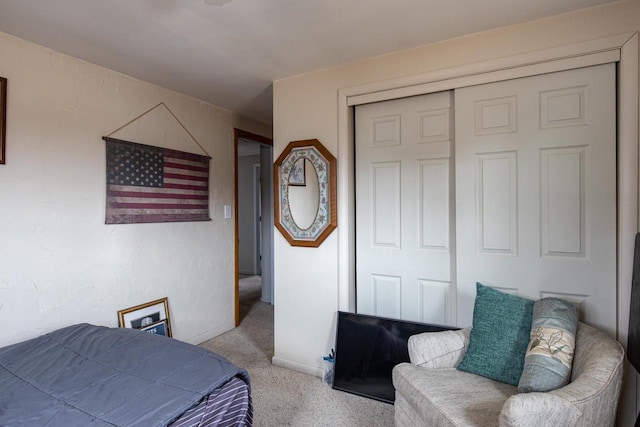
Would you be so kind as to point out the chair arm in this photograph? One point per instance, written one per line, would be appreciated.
(438, 349)
(539, 410)
(590, 399)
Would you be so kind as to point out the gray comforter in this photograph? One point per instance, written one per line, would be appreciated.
(92, 375)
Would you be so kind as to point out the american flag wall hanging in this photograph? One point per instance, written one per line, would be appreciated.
(153, 184)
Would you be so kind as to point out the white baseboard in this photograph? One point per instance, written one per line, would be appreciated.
(295, 366)
(209, 333)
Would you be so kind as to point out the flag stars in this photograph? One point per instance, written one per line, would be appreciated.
(134, 166)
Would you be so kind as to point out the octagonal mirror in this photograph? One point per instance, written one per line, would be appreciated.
(305, 193)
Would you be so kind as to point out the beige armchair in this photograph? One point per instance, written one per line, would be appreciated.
(431, 392)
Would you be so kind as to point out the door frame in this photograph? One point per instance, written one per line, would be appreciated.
(622, 49)
(237, 134)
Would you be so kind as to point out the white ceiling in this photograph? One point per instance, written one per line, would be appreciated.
(228, 52)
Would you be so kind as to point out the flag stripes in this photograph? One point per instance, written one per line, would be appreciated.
(184, 177)
(152, 184)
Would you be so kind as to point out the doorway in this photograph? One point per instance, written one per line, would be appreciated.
(253, 217)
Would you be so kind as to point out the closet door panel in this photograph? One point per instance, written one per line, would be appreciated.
(404, 197)
(535, 168)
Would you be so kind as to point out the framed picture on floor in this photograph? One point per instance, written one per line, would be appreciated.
(150, 317)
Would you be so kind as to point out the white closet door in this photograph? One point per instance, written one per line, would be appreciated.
(403, 209)
(536, 190)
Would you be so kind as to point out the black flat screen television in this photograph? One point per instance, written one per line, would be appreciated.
(367, 348)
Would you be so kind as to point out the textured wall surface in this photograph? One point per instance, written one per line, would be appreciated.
(59, 263)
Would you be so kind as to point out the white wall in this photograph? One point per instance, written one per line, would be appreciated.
(307, 107)
(59, 263)
(246, 214)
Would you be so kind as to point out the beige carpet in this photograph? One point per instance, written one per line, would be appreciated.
(250, 293)
(282, 397)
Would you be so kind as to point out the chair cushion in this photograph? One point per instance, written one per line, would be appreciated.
(499, 336)
(547, 364)
(435, 395)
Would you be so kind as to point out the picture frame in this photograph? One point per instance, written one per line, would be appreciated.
(297, 175)
(147, 317)
(3, 120)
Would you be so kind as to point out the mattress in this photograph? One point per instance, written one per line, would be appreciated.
(97, 376)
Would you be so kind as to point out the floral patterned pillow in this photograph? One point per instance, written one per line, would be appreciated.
(547, 363)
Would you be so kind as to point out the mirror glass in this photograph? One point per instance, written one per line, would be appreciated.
(304, 193)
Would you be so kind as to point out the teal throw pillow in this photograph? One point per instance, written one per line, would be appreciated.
(547, 364)
(499, 335)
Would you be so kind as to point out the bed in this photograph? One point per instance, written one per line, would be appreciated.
(93, 375)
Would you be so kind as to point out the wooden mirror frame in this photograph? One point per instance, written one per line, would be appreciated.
(326, 219)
